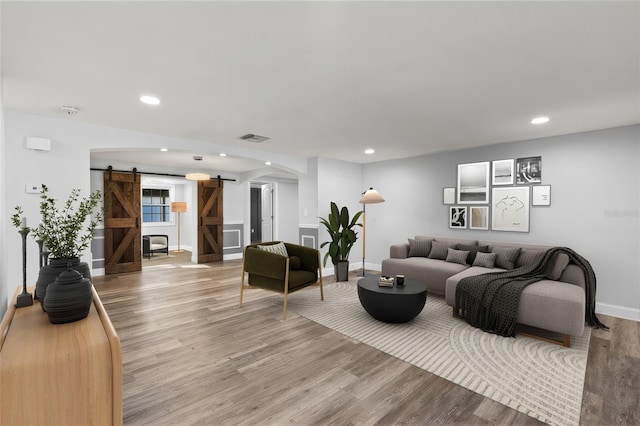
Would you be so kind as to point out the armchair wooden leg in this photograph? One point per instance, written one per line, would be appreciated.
(286, 292)
(320, 277)
(242, 280)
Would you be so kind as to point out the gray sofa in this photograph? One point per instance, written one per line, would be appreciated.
(556, 303)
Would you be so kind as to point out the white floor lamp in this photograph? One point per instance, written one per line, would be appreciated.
(178, 207)
(370, 196)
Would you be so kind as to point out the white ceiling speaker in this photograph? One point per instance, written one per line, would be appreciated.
(70, 110)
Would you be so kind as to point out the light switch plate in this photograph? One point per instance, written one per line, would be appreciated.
(31, 188)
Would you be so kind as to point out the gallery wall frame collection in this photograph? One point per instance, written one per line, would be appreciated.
(504, 189)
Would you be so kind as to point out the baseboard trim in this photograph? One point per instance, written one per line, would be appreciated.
(232, 256)
(618, 311)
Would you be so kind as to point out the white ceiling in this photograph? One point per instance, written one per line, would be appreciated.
(327, 78)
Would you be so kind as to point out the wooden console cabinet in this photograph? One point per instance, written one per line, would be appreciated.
(65, 374)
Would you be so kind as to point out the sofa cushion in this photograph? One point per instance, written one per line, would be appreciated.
(277, 248)
(472, 251)
(452, 282)
(507, 256)
(486, 260)
(419, 248)
(529, 256)
(457, 256)
(432, 272)
(455, 241)
(439, 250)
(562, 260)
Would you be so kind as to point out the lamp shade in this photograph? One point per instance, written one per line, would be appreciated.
(197, 176)
(371, 196)
(178, 207)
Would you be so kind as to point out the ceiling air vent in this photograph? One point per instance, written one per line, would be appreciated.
(253, 138)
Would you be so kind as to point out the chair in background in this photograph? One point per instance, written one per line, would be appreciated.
(154, 244)
(268, 270)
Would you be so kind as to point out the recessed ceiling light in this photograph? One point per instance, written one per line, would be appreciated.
(268, 163)
(369, 151)
(164, 149)
(149, 100)
(222, 154)
(540, 120)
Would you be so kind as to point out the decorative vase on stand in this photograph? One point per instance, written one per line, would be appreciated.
(50, 271)
(68, 298)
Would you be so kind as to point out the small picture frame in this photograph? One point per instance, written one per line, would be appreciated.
(458, 217)
(479, 218)
(529, 170)
(448, 196)
(502, 172)
(541, 195)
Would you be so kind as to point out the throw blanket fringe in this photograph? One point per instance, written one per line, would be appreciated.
(490, 301)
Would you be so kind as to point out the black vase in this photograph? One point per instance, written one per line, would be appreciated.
(68, 298)
(49, 273)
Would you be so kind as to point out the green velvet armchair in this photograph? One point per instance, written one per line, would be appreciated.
(275, 272)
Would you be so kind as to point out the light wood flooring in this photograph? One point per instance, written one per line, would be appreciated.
(192, 356)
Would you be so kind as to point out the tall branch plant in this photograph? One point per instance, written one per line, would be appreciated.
(64, 231)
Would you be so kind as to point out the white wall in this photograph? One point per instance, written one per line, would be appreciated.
(63, 168)
(308, 194)
(340, 182)
(286, 211)
(4, 286)
(595, 192)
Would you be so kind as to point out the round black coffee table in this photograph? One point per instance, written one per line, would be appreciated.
(392, 304)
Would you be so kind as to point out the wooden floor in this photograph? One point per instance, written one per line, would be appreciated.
(192, 356)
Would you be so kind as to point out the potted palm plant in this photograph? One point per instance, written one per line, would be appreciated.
(65, 233)
(343, 236)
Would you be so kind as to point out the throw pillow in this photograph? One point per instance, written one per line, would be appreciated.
(507, 256)
(439, 250)
(457, 256)
(295, 263)
(419, 248)
(561, 263)
(486, 260)
(529, 257)
(278, 248)
(472, 251)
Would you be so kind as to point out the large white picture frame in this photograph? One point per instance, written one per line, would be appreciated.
(510, 209)
(473, 183)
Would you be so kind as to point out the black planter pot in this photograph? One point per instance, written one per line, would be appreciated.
(49, 273)
(68, 298)
(341, 271)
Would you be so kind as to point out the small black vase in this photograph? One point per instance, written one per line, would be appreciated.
(49, 273)
(68, 298)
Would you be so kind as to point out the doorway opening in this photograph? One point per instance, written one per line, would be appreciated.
(261, 212)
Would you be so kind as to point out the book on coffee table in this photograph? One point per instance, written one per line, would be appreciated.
(384, 281)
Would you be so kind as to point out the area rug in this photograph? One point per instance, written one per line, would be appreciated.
(540, 379)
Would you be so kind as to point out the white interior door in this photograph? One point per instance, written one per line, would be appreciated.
(267, 212)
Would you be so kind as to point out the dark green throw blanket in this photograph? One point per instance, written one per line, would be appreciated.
(490, 301)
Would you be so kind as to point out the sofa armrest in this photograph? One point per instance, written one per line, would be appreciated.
(573, 274)
(308, 256)
(399, 251)
(264, 263)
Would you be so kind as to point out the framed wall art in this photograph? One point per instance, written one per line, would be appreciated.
(473, 183)
(510, 209)
(458, 217)
(529, 170)
(448, 196)
(541, 195)
(479, 217)
(502, 173)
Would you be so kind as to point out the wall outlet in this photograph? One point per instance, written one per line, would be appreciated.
(31, 188)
